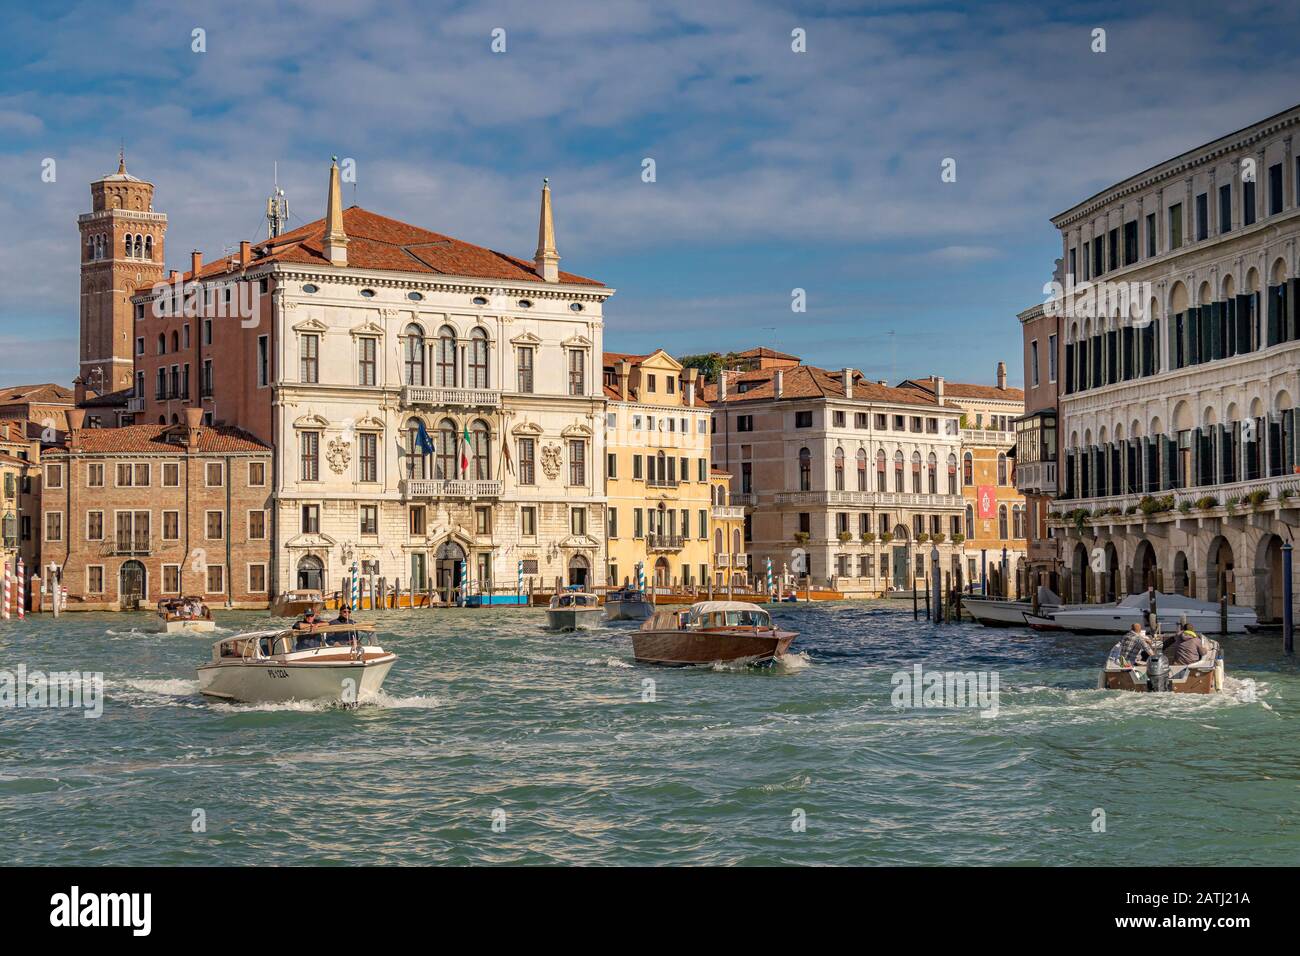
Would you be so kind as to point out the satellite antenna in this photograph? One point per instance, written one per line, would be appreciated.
(277, 208)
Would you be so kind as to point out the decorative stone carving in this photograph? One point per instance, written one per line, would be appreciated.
(551, 461)
(338, 455)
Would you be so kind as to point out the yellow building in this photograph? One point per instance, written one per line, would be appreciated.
(727, 532)
(656, 471)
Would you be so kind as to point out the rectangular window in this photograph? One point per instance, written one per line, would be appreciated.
(1225, 208)
(612, 530)
(482, 521)
(577, 462)
(366, 372)
(577, 520)
(311, 519)
(370, 520)
(171, 579)
(171, 474)
(309, 358)
(577, 372)
(133, 475)
(94, 526)
(525, 371)
(611, 465)
(744, 423)
(1176, 226)
(132, 531)
(263, 361)
(638, 472)
(702, 527)
(53, 526)
(257, 474)
(1033, 363)
(214, 474)
(1130, 242)
(803, 419)
(216, 579)
(257, 524)
(1112, 240)
(1275, 189)
(207, 331)
(702, 470)
(309, 445)
(837, 419)
(1051, 358)
(1202, 217)
(214, 530)
(1247, 202)
(1151, 235)
(528, 521)
(638, 523)
(256, 578)
(171, 525)
(54, 476)
(527, 461)
(368, 456)
(417, 525)
(95, 475)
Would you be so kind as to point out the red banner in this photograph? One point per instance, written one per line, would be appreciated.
(988, 500)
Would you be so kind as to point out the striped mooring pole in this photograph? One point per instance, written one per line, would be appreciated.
(640, 575)
(356, 586)
(771, 589)
(22, 590)
(8, 593)
(519, 588)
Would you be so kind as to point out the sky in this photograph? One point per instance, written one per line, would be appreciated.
(774, 170)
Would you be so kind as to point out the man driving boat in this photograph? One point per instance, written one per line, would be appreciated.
(1136, 647)
(1185, 647)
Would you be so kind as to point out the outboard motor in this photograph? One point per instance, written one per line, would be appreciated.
(1158, 673)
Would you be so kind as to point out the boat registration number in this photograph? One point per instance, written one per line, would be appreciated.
(276, 673)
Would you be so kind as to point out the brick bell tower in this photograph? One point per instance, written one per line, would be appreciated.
(121, 250)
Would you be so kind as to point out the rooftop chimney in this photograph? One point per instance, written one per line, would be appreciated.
(692, 376)
(722, 384)
(335, 246)
(193, 426)
(624, 372)
(778, 382)
(245, 253)
(938, 389)
(1002, 375)
(846, 377)
(546, 261)
(76, 419)
(196, 263)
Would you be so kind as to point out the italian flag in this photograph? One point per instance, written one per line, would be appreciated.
(464, 452)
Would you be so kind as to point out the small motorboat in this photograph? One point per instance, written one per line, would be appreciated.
(331, 662)
(1000, 612)
(1157, 675)
(627, 604)
(186, 614)
(573, 611)
(1171, 609)
(710, 632)
(296, 603)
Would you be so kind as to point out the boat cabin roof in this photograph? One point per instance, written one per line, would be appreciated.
(575, 599)
(709, 607)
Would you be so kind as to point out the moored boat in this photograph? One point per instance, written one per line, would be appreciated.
(296, 603)
(332, 662)
(710, 632)
(627, 604)
(573, 611)
(1171, 609)
(186, 614)
(1000, 612)
(1158, 675)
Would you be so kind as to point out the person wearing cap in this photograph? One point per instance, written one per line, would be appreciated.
(1185, 647)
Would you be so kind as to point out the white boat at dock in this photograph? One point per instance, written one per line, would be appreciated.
(1204, 617)
(1001, 612)
(573, 611)
(330, 662)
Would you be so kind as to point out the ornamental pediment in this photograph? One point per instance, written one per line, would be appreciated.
(576, 430)
(577, 342)
(526, 338)
(527, 429)
(368, 327)
(579, 541)
(311, 325)
(311, 420)
(314, 542)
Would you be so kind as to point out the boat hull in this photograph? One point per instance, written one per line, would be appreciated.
(628, 610)
(341, 681)
(197, 626)
(573, 619)
(1196, 680)
(998, 613)
(1117, 620)
(685, 648)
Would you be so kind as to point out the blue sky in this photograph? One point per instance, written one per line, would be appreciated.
(775, 170)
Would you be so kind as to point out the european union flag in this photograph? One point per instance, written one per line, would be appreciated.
(422, 439)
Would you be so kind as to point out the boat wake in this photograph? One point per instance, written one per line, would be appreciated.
(608, 662)
(379, 701)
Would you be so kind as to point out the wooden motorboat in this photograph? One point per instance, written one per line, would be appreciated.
(573, 611)
(710, 632)
(1158, 675)
(331, 662)
(186, 614)
(296, 603)
(627, 604)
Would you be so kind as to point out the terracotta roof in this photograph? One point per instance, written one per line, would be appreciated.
(378, 242)
(719, 472)
(153, 438)
(45, 394)
(611, 360)
(808, 381)
(761, 352)
(965, 390)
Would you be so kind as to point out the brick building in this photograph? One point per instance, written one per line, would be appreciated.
(142, 512)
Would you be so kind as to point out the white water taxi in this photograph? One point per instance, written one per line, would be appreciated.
(187, 614)
(573, 611)
(332, 662)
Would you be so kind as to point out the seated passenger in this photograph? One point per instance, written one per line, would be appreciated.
(307, 621)
(345, 615)
(1185, 647)
(1135, 647)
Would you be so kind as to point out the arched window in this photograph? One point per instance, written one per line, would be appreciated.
(1002, 470)
(417, 462)
(916, 472)
(898, 471)
(481, 438)
(862, 470)
(413, 356)
(932, 474)
(880, 471)
(446, 357)
(970, 522)
(1002, 521)
(967, 470)
(90, 248)
(139, 246)
(717, 541)
(952, 475)
(162, 343)
(478, 359)
(839, 469)
(148, 248)
(176, 341)
(805, 470)
(126, 246)
(735, 541)
(1018, 521)
(446, 467)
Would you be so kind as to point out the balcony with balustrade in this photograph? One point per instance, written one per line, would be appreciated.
(414, 489)
(665, 542)
(1036, 478)
(870, 499)
(728, 512)
(425, 396)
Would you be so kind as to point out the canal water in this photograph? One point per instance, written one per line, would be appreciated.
(495, 741)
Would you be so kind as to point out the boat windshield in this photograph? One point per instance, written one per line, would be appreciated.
(747, 618)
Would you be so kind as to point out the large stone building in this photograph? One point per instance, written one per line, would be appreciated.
(656, 471)
(858, 478)
(1179, 451)
(1036, 442)
(727, 532)
(137, 513)
(20, 488)
(436, 408)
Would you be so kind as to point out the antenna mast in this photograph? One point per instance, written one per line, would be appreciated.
(277, 208)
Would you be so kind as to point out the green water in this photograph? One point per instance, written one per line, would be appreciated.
(487, 716)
